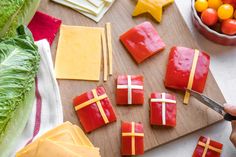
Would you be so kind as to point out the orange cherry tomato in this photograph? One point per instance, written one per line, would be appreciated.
(229, 27)
(225, 11)
(201, 5)
(215, 4)
(209, 17)
(235, 14)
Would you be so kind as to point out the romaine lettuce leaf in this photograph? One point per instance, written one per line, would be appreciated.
(14, 13)
(19, 62)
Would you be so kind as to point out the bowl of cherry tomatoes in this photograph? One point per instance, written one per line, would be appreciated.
(216, 20)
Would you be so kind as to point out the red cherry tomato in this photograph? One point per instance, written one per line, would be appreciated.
(229, 27)
(209, 17)
(232, 2)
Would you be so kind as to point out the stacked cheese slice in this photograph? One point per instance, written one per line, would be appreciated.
(66, 140)
(93, 9)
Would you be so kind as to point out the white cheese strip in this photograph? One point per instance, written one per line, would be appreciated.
(163, 100)
(129, 90)
(163, 96)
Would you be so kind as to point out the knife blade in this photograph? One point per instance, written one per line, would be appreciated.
(212, 104)
(207, 101)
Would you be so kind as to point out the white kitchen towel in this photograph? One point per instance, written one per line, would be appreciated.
(47, 110)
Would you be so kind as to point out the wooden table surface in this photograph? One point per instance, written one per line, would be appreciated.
(174, 32)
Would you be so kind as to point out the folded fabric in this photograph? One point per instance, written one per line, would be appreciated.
(93, 9)
(44, 26)
(47, 110)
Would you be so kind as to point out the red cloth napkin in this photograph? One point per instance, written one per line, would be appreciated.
(44, 26)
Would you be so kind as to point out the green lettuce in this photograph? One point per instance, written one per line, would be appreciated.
(14, 13)
(19, 63)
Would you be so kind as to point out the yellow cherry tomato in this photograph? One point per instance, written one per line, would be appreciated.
(225, 11)
(201, 5)
(215, 4)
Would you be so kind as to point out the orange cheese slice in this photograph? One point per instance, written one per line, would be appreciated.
(79, 53)
(84, 151)
(82, 137)
(64, 136)
(66, 132)
(48, 148)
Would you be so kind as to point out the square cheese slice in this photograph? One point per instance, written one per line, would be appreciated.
(48, 148)
(84, 151)
(79, 53)
(67, 132)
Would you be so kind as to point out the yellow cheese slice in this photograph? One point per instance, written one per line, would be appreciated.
(67, 132)
(49, 133)
(56, 134)
(84, 151)
(64, 136)
(83, 138)
(48, 148)
(79, 53)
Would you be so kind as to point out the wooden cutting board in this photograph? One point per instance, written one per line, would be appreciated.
(174, 32)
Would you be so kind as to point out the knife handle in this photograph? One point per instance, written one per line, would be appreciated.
(229, 117)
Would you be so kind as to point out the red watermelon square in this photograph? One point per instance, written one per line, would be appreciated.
(207, 148)
(142, 41)
(132, 140)
(179, 66)
(130, 90)
(94, 109)
(163, 109)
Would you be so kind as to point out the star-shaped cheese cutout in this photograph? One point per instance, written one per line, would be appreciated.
(153, 7)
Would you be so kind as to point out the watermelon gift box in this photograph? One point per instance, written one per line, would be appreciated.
(94, 109)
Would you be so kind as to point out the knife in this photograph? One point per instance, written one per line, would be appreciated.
(212, 104)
